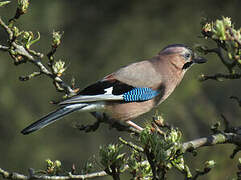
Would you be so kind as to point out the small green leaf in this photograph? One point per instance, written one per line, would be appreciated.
(227, 21)
(30, 41)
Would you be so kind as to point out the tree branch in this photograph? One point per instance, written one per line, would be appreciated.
(220, 76)
(7, 29)
(215, 139)
(227, 63)
(4, 48)
(219, 138)
(21, 54)
(236, 99)
(8, 175)
(235, 37)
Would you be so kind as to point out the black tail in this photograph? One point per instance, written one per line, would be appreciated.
(50, 118)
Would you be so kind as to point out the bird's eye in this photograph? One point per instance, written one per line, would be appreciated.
(187, 56)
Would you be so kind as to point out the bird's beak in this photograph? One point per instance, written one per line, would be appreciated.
(198, 60)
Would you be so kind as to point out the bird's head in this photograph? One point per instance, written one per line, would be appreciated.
(181, 56)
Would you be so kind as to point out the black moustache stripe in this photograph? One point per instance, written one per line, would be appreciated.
(187, 65)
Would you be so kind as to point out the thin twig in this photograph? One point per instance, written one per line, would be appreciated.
(201, 173)
(237, 99)
(4, 48)
(131, 145)
(26, 78)
(226, 62)
(220, 76)
(21, 51)
(228, 127)
(229, 64)
(7, 29)
(235, 151)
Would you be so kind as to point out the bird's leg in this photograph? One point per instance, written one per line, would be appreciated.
(130, 123)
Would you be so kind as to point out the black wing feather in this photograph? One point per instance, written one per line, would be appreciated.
(100, 86)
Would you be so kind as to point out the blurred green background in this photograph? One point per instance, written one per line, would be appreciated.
(100, 37)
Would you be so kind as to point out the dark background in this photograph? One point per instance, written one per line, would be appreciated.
(100, 37)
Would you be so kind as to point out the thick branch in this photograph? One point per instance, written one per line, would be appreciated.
(220, 138)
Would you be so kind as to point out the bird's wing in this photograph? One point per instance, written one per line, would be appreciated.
(136, 82)
(104, 90)
(111, 90)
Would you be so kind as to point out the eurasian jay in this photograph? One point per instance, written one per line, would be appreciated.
(131, 91)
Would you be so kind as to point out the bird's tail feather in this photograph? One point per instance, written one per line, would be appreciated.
(51, 117)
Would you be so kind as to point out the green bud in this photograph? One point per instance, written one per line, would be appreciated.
(215, 126)
(210, 164)
(4, 3)
(26, 35)
(16, 31)
(227, 21)
(49, 162)
(56, 39)
(59, 68)
(207, 27)
(23, 6)
(230, 56)
(239, 161)
(159, 120)
(174, 136)
(57, 163)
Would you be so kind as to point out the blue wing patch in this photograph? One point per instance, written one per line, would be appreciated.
(139, 94)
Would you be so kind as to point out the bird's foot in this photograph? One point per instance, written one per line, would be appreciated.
(130, 123)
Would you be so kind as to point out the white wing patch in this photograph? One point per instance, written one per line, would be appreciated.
(109, 90)
(94, 98)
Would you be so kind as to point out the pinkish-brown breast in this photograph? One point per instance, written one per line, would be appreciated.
(128, 111)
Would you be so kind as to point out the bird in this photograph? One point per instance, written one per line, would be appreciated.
(130, 91)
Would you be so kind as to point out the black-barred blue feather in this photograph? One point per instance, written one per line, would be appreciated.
(139, 94)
